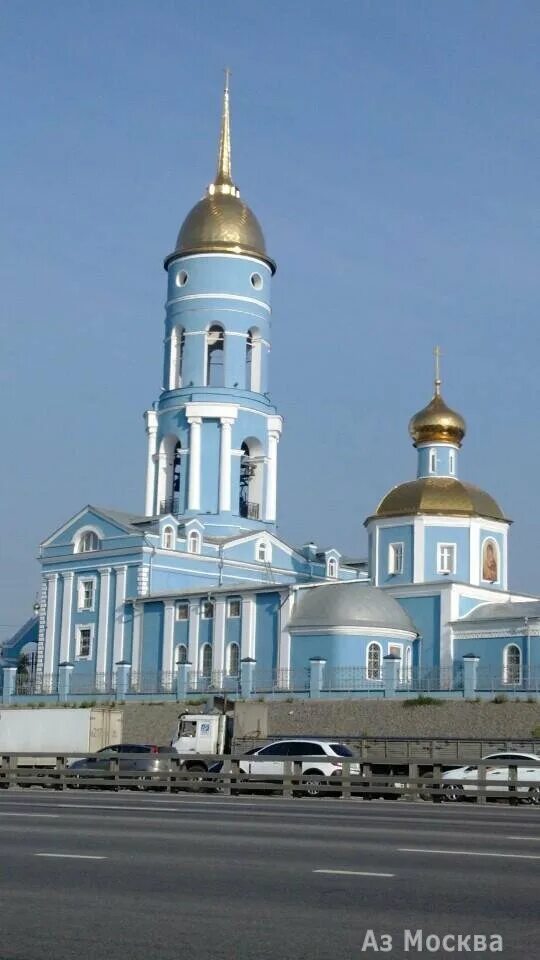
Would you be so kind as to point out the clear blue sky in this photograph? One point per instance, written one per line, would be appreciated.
(390, 151)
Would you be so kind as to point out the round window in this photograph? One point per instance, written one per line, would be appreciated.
(256, 281)
(181, 278)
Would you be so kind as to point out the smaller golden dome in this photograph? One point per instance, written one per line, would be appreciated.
(437, 423)
(439, 496)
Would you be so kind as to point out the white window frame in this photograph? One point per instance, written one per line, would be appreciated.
(203, 609)
(180, 646)
(432, 464)
(166, 531)
(442, 571)
(452, 463)
(181, 605)
(332, 568)
(396, 549)
(78, 631)
(229, 658)
(407, 664)
(508, 647)
(81, 608)
(230, 601)
(208, 673)
(81, 534)
(373, 643)
(194, 537)
(262, 546)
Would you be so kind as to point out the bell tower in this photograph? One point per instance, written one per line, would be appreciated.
(213, 434)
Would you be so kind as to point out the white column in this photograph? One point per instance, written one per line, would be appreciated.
(247, 641)
(218, 646)
(225, 464)
(50, 625)
(65, 635)
(284, 652)
(193, 635)
(167, 664)
(161, 477)
(271, 476)
(194, 494)
(151, 431)
(173, 360)
(103, 620)
(119, 615)
(138, 610)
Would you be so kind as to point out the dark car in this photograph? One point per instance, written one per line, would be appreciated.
(147, 759)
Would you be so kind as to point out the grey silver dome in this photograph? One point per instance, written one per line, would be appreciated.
(349, 604)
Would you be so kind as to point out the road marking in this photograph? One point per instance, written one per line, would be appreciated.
(8, 814)
(355, 873)
(537, 839)
(470, 853)
(70, 856)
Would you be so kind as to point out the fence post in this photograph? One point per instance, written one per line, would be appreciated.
(470, 675)
(247, 677)
(391, 670)
(123, 679)
(10, 680)
(182, 678)
(316, 675)
(65, 671)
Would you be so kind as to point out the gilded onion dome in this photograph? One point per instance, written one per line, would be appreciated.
(439, 496)
(222, 222)
(437, 423)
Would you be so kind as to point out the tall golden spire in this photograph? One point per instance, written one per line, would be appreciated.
(223, 182)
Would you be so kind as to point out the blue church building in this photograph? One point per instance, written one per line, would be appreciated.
(200, 581)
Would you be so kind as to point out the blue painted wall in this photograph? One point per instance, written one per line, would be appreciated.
(425, 613)
(401, 533)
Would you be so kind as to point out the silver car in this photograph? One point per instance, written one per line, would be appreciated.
(147, 759)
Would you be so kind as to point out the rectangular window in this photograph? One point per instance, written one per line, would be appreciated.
(207, 610)
(452, 463)
(432, 461)
(182, 611)
(446, 558)
(84, 642)
(234, 607)
(86, 594)
(395, 558)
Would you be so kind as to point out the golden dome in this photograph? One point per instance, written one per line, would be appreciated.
(221, 222)
(437, 423)
(442, 496)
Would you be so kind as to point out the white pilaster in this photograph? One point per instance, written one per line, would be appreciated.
(193, 634)
(173, 360)
(138, 611)
(247, 642)
(474, 552)
(119, 615)
(419, 533)
(218, 646)
(50, 626)
(67, 600)
(168, 638)
(285, 613)
(103, 620)
(194, 493)
(271, 476)
(225, 464)
(151, 431)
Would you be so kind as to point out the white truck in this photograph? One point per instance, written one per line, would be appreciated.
(57, 731)
(202, 733)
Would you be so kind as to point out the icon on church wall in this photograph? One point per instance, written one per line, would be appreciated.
(490, 561)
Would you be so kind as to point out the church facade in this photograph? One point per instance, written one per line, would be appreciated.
(200, 582)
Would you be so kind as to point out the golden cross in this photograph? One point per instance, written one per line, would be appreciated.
(437, 353)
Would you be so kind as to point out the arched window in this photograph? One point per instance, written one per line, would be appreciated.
(206, 660)
(168, 538)
(194, 542)
(512, 664)
(262, 552)
(408, 665)
(374, 661)
(178, 340)
(87, 542)
(432, 461)
(253, 360)
(332, 568)
(181, 653)
(215, 356)
(233, 660)
(176, 478)
(251, 466)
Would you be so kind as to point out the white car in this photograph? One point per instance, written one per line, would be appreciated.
(326, 760)
(462, 782)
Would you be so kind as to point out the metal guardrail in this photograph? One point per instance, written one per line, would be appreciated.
(447, 750)
(190, 773)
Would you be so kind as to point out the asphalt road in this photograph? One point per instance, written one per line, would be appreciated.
(191, 878)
